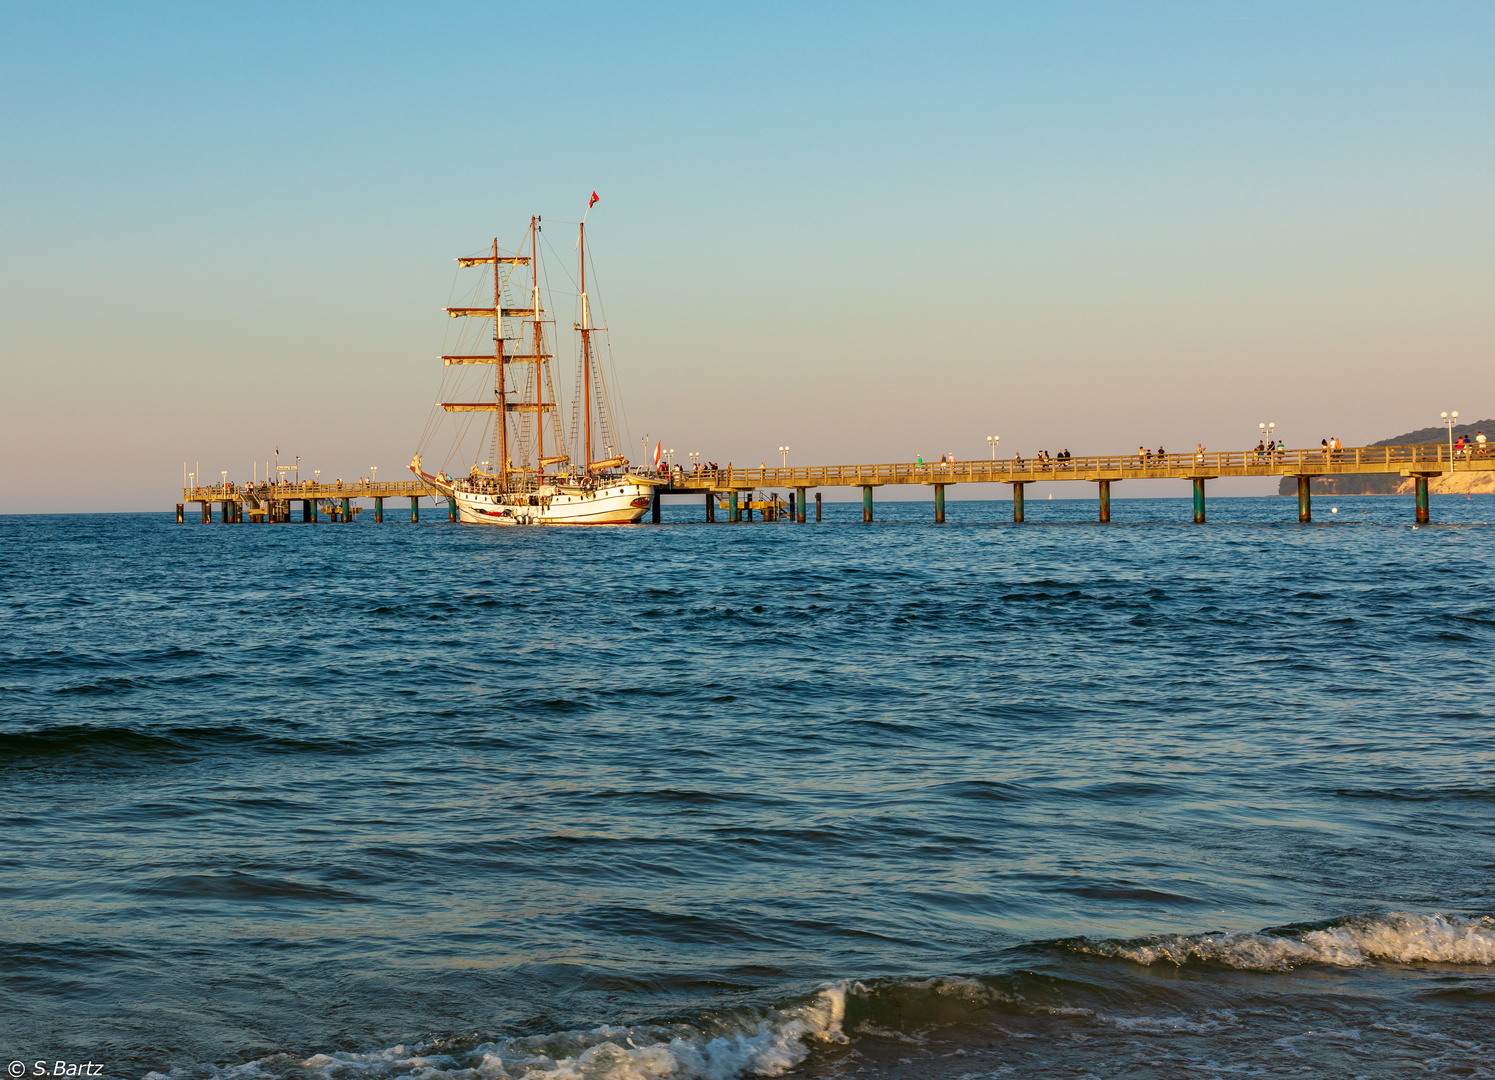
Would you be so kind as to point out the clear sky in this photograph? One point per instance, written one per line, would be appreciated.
(866, 231)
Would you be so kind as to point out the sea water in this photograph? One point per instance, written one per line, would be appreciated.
(1059, 799)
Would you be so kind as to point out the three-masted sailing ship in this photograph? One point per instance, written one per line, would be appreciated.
(529, 480)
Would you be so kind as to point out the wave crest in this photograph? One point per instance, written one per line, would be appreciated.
(726, 1047)
(1397, 938)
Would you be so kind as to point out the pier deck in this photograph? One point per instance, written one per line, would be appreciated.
(1405, 460)
(272, 502)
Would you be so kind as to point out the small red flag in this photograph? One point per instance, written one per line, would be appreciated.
(593, 202)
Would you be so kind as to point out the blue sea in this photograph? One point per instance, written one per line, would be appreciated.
(366, 801)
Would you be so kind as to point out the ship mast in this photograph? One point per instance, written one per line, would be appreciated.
(500, 418)
(586, 345)
(534, 270)
(498, 406)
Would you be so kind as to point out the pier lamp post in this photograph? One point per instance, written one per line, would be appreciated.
(374, 473)
(672, 458)
(1449, 418)
(224, 474)
(316, 476)
(784, 457)
(992, 440)
(192, 476)
(695, 460)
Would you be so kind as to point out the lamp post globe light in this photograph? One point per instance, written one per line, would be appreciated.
(992, 440)
(1449, 419)
(784, 456)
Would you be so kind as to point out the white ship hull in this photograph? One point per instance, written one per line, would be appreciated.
(620, 503)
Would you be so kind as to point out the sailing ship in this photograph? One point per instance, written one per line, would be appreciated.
(529, 480)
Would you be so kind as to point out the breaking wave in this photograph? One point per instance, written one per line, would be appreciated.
(765, 1042)
(1356, 941)
(892, 1012)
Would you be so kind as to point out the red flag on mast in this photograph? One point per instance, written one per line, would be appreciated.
(593, 202)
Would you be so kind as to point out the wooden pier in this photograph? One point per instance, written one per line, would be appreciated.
(272, 503)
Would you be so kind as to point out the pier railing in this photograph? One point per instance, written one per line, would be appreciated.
(310, 489)
(1431, 458)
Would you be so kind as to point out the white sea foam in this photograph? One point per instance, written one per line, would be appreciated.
(766, 1043)
(1397, 938)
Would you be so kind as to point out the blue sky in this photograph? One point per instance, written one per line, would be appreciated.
(869, 232)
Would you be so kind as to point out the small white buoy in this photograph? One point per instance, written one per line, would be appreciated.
(1333, 509)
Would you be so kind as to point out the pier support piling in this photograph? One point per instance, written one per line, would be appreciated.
(939, 504)
(1305, 501)
(1198, 500)
(347, 511)
(794, 504)
(710, 507)
(1017, 502)
(734, 509)
(1422, 499)
(378, 510)
(414, 509)
(800, 517)
(817, 506)
(451, 509)
(306, 510)
(866, 505)
(654, 507)
(1105, 501)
